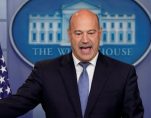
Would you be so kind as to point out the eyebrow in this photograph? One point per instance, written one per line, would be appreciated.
(91, 30)
(86, 31)
(78, 31)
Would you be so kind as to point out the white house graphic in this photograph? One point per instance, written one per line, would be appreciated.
(117, 29)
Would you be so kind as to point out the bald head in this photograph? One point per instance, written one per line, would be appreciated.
(82, 15)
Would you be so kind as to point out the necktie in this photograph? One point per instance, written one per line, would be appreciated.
(83, 86)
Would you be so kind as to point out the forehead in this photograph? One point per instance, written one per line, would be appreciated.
(84, 21)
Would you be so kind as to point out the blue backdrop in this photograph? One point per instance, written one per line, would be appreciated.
(19, 70)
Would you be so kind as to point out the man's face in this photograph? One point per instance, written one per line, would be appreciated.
(84, 34)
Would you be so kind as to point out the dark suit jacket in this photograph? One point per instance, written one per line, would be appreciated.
(114, 91)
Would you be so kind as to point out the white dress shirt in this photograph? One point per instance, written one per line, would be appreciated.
(90, 69)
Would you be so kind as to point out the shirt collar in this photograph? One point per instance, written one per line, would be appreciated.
(92, 62)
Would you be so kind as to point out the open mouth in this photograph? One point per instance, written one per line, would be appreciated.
(85, 49)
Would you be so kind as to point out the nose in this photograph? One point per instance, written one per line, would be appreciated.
(85, 38)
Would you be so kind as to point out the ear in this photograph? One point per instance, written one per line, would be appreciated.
(100, 34)
(69, 34)
(100, 31)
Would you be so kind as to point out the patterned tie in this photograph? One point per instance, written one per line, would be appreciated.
(83, 86)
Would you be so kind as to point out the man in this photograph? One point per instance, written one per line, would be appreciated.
(111, 88)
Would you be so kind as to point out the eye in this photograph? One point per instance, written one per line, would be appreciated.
(91, 32)
(78, 33)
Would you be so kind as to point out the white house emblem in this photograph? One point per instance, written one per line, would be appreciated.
(41, 33)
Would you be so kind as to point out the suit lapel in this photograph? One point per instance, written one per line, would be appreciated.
(68, 74)
(99, 79)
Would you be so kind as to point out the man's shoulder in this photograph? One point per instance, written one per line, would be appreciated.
(116, 64)
(53, 62)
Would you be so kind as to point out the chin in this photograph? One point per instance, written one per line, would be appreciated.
(86, 59)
